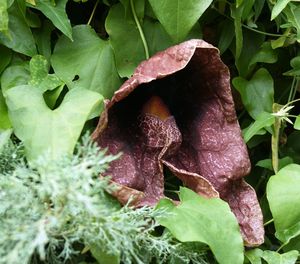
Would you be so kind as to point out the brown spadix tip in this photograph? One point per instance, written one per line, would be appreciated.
(156, 107)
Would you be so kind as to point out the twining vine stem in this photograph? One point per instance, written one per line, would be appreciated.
(93, 12)
(140, 29)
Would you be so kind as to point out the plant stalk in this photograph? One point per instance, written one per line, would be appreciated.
(137, 22)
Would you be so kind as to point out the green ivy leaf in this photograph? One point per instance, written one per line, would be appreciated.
(295, 64)
(293, 13)
(284, 199)
(258, 93)
(56, 13)
(44, 130)
(179, 16)
(266, 54)
(208, 220)
(278, 7)
(88, 57)
(19, 37)
(272, 257)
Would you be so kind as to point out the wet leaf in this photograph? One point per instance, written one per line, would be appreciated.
(208, 220)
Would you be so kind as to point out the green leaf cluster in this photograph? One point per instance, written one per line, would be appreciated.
(59, 61)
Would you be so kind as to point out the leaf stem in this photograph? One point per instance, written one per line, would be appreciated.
(292, 90)
(140, 30)
(269, 222)
(93, 12)
(262, 32)
(283, 245)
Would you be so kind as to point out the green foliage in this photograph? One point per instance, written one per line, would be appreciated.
(283, 197)
(255, 256)
(61, 127)
(263, 120)
(19, 35)
(56, 13)
(89, 58)
(258, 93)
(60, 59)
(209, 221)
(62, 205)
(178, 17)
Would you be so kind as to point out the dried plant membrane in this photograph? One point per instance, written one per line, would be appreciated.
(200, 141)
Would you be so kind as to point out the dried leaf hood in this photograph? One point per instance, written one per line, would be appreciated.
(200, 142)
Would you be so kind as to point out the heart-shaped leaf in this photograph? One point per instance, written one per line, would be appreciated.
(204, 220)
(44, 130)
(258, 93)
(89, 58)
(179, 16)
